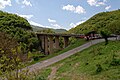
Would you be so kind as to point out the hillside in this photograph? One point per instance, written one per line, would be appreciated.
(99, 62)
(37, 28)
(18, 28)
(107, 21)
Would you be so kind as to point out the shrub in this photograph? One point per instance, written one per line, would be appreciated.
(99, 68)
(115, 62)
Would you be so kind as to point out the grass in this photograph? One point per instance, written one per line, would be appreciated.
(71, 46)
(43, 74)
(99, 62)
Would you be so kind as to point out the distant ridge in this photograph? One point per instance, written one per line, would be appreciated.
(37, 28)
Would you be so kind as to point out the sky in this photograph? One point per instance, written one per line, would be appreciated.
(58, 14)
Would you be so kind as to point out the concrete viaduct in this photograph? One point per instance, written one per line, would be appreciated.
(49, 42)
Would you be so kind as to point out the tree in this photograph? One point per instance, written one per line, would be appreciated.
(11, 57)
(114, 27)
(105, 35)
(46, 31)
(20, 29)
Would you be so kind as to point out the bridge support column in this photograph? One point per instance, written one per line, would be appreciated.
(57, 42)
(43, 42)
(46, 44)
(51, 44)
(66, 40)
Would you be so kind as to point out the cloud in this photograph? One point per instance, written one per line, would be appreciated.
(96, 2)
(26, 16)
(51, 20)
(107, 7)
(72, 25)
(75, 24)
(74, 9)
(36, 24)
(56, 26)
(26, 3)
(4, 3)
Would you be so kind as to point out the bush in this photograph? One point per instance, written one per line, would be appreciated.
(115, 62)
(40, 78)
(36, 58)
(99, 68)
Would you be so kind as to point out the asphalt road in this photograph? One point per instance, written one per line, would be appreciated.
(60, 57)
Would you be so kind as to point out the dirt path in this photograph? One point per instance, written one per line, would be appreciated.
(52, 74)
(55, 59)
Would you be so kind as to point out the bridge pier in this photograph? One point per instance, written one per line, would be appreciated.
(51, 44)
(57, 42)
(48, 45)
(42, 42)
(66, 41)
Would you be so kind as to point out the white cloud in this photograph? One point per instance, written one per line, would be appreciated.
(51, 20)
(26, 3)
(74, 9)
(75, 24)
(80, 10)
(72, 25)
(4, 3)
(107, 7)
(26, 16)
(69, 8)
(56, 26)
(36, 24)
(96, 2)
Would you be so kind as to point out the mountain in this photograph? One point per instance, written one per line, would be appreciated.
(106, 21)
(37, 28)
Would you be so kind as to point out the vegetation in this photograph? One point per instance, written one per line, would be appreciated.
(73, 45)
(16, 41)
(46, 31)
(20, 29)
(105, 36)
(108, 21)
(99, 62)
(11, 57)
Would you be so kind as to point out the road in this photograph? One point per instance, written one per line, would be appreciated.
(60, 57)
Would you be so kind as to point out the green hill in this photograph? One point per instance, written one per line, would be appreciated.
(37, 28)
(108, 21)
(99, 62)
(18, 28)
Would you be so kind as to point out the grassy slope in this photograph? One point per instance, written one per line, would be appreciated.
(71, 46)
(98, 22)
(83, 65)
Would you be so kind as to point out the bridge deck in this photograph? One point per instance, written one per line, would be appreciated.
(62, 35)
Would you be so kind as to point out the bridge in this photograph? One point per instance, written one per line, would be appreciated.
(50, 42)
